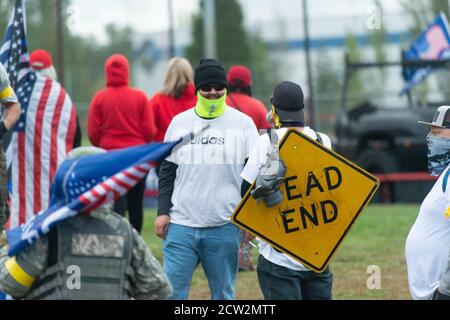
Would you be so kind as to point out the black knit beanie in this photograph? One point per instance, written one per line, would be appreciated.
(209, 71)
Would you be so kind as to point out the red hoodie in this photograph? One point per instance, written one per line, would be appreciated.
(252, 107)
(166, 107)
(119, 116)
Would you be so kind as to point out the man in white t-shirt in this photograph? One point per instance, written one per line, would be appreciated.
(199, 187)
(280, 276)
(428, 243)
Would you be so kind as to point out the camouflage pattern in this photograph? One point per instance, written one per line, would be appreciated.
(98, 245)
(32, 260)
(438, 154)
(149, 281)
(4, 209)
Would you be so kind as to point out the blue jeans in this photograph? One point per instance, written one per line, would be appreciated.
(281, 283)
(216, 248)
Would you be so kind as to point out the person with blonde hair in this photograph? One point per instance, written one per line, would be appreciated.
(177, 95)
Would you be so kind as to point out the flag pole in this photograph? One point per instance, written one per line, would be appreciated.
(311, 113)
(171, 30)
(59, 41)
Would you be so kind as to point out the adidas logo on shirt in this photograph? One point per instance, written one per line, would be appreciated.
(207, 140)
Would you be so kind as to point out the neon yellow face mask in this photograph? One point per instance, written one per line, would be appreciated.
(210, 109)
(276, 119)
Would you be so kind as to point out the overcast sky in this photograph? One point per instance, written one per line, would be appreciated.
(145, 16)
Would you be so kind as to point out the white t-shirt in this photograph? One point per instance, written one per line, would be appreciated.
(207, 184)
(428, 243)
(257, 158)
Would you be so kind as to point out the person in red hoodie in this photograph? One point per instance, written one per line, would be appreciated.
(177, 95)
(119, 117)
(239, 81)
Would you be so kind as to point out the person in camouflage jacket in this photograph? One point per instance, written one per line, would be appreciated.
(19, 274)
(114, 261)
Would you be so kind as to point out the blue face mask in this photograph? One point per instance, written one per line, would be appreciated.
(438, 154)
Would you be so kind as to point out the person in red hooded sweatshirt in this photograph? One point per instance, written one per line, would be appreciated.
(177, 95)
(239, 79)
(119, 117)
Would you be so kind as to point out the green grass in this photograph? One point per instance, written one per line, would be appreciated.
(377, 238)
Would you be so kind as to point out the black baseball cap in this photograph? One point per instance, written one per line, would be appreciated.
(288, 101)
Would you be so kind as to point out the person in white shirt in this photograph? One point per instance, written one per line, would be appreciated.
(428, 242)
(280, 276)
(199, 188)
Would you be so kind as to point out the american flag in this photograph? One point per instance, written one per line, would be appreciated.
(45, 131)
(14, 51)
(42, 137)
(85, 183)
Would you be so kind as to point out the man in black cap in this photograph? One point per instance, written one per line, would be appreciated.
(281, 277)
(199, 188)
(428, 243)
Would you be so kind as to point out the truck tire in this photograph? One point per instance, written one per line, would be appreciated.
(377, 161)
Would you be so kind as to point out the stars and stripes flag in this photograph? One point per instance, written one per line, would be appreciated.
(42, 137)
(45, 131)
(14, 50)
(85, 183)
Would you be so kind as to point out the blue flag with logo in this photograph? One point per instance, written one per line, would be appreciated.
(432, 44)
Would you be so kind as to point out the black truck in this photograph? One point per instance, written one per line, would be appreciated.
(385, 139)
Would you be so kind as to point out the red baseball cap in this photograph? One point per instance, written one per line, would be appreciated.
(239, 76)
(40, 59)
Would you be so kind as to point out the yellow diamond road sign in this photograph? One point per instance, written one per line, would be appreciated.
(323, 196)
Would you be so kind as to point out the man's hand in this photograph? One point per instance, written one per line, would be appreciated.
(161, 225)
(12, 114)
